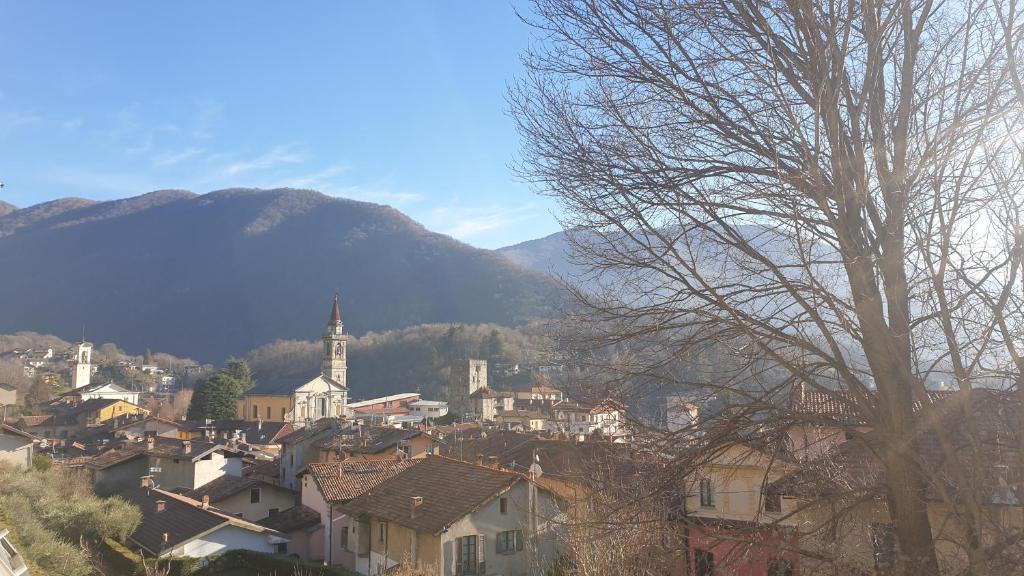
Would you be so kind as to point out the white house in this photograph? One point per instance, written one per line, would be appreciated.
(173, 525)
(428, 408)
(16, 447)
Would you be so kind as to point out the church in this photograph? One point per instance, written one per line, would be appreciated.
(326, 395)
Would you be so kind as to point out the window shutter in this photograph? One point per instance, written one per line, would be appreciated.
(458, 556)
(519, 540)
(498, 544)
(481, 546)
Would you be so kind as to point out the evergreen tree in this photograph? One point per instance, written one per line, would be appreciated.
(214, 398)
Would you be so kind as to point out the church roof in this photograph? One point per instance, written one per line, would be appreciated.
(286, 387)
(335, 312)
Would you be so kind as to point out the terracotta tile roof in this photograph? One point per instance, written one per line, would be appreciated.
(182, 519)
(295, 518)
(373, 441)
(343, 481)
(227, 486)
(450, 490)
(320, 427)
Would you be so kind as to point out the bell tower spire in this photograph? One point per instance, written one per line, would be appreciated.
(334, 364)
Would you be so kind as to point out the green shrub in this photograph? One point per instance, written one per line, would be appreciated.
(41, 462)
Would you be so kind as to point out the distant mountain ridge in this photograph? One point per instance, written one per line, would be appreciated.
(6, 208)
(210, 275)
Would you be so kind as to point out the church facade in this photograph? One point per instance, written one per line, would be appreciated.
(323, 396)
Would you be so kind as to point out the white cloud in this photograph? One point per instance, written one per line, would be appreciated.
(171, 158)
(464, 222)
(208, 113)
(286, 154)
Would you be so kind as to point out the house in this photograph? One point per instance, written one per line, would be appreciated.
(449, 517)
(98, 391)
(522, 420)
(16, 446)
(175, 526)
(301, 447)
(385, 403)
(326, 485)
(849, 477)
(301, 525)
(322, 396)
(375, 444)
(606, 418)
(261, 435)
(8, 395)
(485, 403)
(730, 520)
(429, 408)
(63, 421)
(170, 463)
(245, 497)
(11, 561)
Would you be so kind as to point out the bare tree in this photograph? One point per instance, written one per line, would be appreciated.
(827, 192)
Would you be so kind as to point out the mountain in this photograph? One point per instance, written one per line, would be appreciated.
(549, 255)
(206, 276)
(6, 208)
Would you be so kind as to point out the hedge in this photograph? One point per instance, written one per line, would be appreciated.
(266, 565)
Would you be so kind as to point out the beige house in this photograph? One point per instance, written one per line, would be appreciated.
(449, 517)
(245, 497)
(16, 447)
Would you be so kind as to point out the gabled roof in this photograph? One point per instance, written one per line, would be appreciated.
(295, 518)
(343, 481)
(6, 429)
(374, 441)
(450, 490)
(227, 486)
(94, 387)
(319, 428)
(259, 432)
(7, 387)
(286, 387)
(162, 448)
(182, 520)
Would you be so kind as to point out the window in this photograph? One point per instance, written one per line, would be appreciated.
(283, 412)
(381, 532)
(704, 563)
(344, 538)
(503, 505)
(883, 542)
(467, 555)
(282, 548)
(254, 495)
(273, 511)
(268, 412)
(255, 411)
(509, 542)
(707, 493)
(780, 567)
(773, 503)
(321, 407)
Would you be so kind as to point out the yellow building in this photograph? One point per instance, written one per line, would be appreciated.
(325, 396)
(64, 421)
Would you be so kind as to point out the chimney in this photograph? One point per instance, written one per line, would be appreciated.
(144, 482)
(167, 537)
(479, 459)
(186, 447)
(414, 503)
(206, 501)
(492, 461)
(161, 505)
(150, 443)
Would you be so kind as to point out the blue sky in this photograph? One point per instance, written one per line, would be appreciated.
(400, 103)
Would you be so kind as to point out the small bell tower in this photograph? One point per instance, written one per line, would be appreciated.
(82, 374)
(334, 364)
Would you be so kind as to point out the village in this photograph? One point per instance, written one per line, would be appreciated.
(502, 486)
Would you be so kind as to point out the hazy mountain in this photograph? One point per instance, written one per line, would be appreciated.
(6, 208)
(218, 274)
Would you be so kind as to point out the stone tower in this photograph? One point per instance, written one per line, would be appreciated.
(82, 373)
(334, 364)
(466, 376)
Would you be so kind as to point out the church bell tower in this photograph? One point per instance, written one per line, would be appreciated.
(334, 364)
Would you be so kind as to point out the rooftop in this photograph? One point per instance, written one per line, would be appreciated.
(450, 489)
(343, 481)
